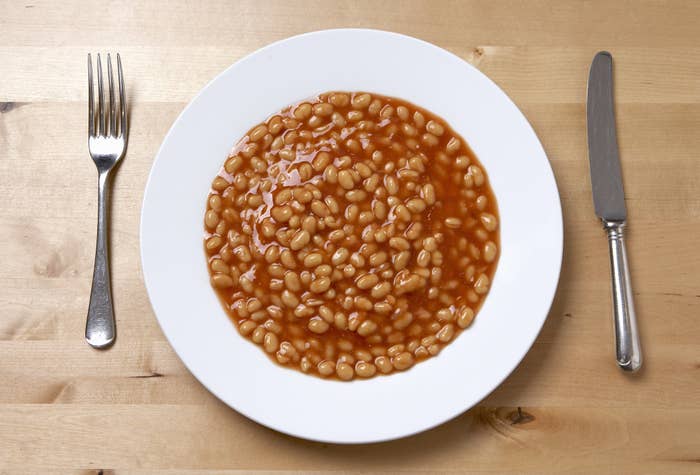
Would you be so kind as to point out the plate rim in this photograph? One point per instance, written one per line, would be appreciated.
(548, 298)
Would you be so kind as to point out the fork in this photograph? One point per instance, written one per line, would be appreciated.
(107, 138)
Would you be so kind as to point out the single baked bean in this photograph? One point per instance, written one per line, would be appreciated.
(320, 285)
(489, 221)
(361, 101)
(349, 270)
(436, 258)
(323, 109)
(383, 364)
(444, 315)
(374, 107)
(408, 130)
(221, 281)
(364, 369)
(303, 111)
(402, 213)
(318, 325)
(423, 258)
(435, 128)
(416, 205)
(289, 299)
(271, 342)
(477, 175)
(465, 317)
(344, 371)
(354, 116)
(246, 327)
(481, 286)
(366, 281)
(362, 303)
(215, 203)
(300, 239)
(213, 244)
(339, 99)
(399, 243)
(258, 334)
(313, 260)
(402, 112)
(345, 179)
(323, 270)
(281, 214)
(380, 290)
(249, 150)
(452, 222)
(414, 231)
(403, 361)
(355, 195)
(320, 209)
(242, 253)
(481, 234)
(474, 251)
(326, 368)
(257, 133)
(386, 112)
(383, 307)
(219, 184)
(400, 260)
(481, 202)
(338, 120)
(453, 145)
(490, 251)
(391, 184)
(428, 340)
(446, 333)
(357, 260)
(218, 265)
(367, 327)
(275, 125)
(211, 219)
(403, 321)
(462, 162)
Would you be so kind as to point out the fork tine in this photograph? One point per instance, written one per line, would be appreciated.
(123, 126)
(112, 109)
(91, 100)
(100, 99)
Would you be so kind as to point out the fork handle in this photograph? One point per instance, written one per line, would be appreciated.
(100, 328)
(627, 348)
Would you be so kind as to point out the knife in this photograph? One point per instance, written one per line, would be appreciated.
(609, 203)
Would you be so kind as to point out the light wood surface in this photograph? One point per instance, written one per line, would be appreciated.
(65, 408)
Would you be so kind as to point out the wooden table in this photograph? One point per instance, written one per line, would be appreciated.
(135, 409)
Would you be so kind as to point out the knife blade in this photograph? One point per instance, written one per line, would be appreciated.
(603, 155)
(609, 203)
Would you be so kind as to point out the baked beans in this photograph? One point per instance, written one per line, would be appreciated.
(351, 235)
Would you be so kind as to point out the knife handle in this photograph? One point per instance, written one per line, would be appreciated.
(627, 347)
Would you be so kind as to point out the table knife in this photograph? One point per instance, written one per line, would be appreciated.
(609, 203)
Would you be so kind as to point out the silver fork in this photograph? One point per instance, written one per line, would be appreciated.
(107, 137)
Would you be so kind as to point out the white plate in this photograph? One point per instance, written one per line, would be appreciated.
(381, 408)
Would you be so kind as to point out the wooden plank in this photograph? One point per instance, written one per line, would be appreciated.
(529, 74)
(253, 24)
(150, 373)
(546, 440)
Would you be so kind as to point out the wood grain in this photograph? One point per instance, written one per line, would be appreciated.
(135, 409)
